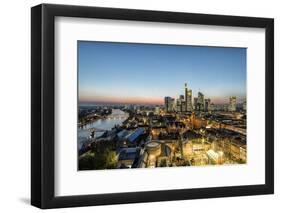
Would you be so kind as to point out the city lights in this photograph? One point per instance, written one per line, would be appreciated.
(160, 105)
(181, 132)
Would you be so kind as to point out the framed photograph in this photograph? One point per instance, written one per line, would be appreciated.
(139, 106)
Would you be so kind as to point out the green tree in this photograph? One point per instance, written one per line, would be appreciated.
(106, 159)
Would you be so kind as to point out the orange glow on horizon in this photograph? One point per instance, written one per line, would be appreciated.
(138, 100)
(123, 100)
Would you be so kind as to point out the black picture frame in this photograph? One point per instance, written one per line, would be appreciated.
(43, 110)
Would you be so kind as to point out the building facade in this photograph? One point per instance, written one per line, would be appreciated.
(200, 102)
(188, 99)
(207, 104)
(169, 104)
(232, 104)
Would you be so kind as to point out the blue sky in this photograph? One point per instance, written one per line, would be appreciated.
(144, 73)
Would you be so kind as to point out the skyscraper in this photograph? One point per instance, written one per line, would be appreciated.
(182, 102)
(200, 102)
(178, 105)
(232, 104)
(195, 103)
(169, 104)
(207, 104)
(188, 99)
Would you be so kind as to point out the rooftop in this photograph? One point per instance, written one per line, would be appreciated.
(134, 135)
(128, 153)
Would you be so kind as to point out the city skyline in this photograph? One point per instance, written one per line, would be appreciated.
(129, 73)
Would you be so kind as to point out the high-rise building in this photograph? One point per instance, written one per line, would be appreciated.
(195, 103)
(169, 104)
(207, 104)
(200, 102)
(188, 99)
(178, 105)
(183, 106)
(232, 104)
(182, 103)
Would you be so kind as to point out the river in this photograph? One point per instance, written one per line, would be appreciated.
(117, 117)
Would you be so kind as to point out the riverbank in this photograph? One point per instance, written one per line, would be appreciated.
(82, 124)
(117, 117)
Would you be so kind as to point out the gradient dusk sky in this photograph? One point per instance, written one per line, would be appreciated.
(132, 73)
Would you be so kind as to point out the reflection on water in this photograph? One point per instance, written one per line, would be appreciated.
(117, 117)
